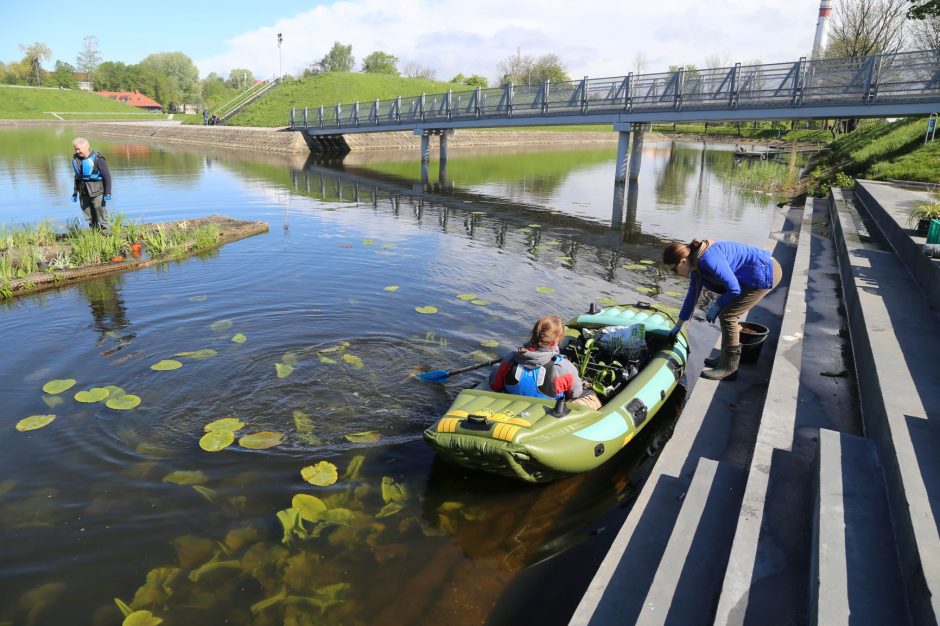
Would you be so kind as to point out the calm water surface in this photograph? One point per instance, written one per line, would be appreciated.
(86, 514)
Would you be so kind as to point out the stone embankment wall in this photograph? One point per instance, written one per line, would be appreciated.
(273, 140)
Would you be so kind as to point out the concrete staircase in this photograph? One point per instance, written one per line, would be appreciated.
(816, 525)
(243, 99)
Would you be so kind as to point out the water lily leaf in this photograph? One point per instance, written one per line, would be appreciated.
(607, 301)
(197, 298)
(123, 403)
(141, 618)
(426, 310)
(369, 242)
(183, 477)
(114, 391)
(646, 289)
(339, 516)
(310, 506)
(239, 338)
(220, 325)
(206, 493)
(216, 440)
(634, 266)
(52, 401)
(545, 289)
(467, 296)
(303, 422)
(489, 343)
(355, 466)
(226, 423)
(674, 294)
(283, 369)
(327, 360)
(323, 474)
(199, 355)
(563, 258)
(392, 491)
(338, 348)
(363, 437)
(58, 386)
(449, 506)
(290, 358)
(388, 245)
(391, 288)
(95, 394)
(535, 225)
(389, 509)
(166, 365)
(353, 360)
(261, 440)
(477, 212)
(480, 302)
(122, 606)
(34, 422)
(647, 261)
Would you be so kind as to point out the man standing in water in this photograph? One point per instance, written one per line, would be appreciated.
(92, 184)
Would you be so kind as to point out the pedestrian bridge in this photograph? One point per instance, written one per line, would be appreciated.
(888, 85)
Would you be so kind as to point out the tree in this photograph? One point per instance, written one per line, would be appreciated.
(516, 69)
(922, 9)
(89, 58)
(864, 27)
(181, 74)
(640, 62)
(339, 59)
(925, 32)
(549, 67)
(64, 76)
(416, 70)
(476, 80)
(241, 78)
(35, 54)
(380, 63)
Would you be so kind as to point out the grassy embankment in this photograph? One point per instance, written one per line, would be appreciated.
(37, 103)
(878, 151)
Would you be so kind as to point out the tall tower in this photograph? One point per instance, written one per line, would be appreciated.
(822, 29)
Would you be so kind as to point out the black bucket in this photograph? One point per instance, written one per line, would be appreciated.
(752, 340)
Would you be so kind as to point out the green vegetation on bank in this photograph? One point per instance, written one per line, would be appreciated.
(328, 89)
(40, 103)
(765, 131)
(878, 151)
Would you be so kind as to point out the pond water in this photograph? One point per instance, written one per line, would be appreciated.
(104, 504)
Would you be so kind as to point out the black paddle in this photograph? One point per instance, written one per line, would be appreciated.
(439, 376)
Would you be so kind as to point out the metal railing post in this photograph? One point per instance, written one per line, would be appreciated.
(584, 94)
(356, 113)
(733, 92)
(321, 116)
(292, 118)
(477, 100)
(509, 96)
(339, 115)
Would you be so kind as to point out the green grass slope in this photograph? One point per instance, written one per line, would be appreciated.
(880, 151)
(17, 103)
(328, 89)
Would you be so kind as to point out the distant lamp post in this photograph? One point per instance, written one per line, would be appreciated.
(280, 38)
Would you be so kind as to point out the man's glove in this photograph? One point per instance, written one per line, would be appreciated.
(74, 197)
(712, 314)
(107, 197)
(675, 331)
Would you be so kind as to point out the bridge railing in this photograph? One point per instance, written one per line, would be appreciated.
(903, 76)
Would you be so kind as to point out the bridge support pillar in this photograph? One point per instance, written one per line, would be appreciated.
(442, 171)
(636, 158)
(425, 155)
(620, 173)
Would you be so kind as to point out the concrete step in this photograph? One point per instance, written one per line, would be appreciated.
(689, 575)
(855, 576)
(894, 342)
(752, 589)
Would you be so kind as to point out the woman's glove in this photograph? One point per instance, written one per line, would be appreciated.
(712, 314)
(74, 197)
(107, 197)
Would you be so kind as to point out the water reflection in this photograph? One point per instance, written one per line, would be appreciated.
(108, 312)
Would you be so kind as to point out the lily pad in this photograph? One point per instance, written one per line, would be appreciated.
(369, 242)
(310, 506)
(182, 477)
(59, 385)
(426, 310)
(114, 391)
(261, 440)
(391, 288)
(545, 289)
(535, 225)
(392, 491)
(480, 302)
(216, 440)
(467, 296)
(199, 355)
(389, 509)
(290, 358)
(141, 618)
(327, 360)
(353, 360)
(634, 266)
(647, 261)
(489, 343)
(220, 325)
(563, 259)
(123, 403)
(646, 289)
(166, 365)
(607, 301)
(323, 474)
(302, 422)
(363, 437)
(52, 401)
(226, 423)
(283, 369)
(239, 338)
(95, 394)
(674, 294)
(34, 422)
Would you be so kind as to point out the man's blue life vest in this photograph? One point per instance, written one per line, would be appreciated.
(532, 379)
(87, 168)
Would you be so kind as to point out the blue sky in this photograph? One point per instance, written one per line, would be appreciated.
(592, 37)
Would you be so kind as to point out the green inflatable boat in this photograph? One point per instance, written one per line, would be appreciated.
(540, 440)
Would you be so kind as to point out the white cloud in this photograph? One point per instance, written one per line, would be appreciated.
(593, 38)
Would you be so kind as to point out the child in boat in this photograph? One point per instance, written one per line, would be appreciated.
(537, 369)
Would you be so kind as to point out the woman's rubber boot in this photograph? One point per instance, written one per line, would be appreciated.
(727, 367)
(712, 361)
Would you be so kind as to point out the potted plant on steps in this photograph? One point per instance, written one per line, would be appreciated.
(922, 214)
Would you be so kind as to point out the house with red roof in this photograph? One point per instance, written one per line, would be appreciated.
(134, 99)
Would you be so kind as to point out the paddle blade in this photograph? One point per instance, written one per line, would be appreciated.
(437, 376)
